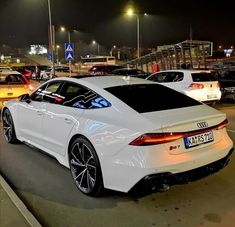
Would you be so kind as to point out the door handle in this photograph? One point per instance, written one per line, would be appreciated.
(68, 121)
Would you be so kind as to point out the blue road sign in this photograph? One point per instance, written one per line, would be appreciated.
(69, 53)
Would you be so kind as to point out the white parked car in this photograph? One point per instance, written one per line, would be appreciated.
(200, 85)
(119, 133)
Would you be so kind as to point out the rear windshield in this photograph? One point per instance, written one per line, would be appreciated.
(11, 79)
(203, 77)
(151, 97)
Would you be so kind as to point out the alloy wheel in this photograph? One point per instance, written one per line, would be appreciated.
(83, 167)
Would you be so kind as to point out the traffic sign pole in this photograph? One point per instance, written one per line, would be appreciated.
(70, 68)
(69, 55)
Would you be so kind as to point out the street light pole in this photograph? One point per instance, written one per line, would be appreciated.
(131, 12)
(98, 46)
(138, 35)
(69, 39)
(51, 38)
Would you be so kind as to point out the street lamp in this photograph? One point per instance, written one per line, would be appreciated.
(130, 12)
(98, 46)
(69, 40)
(64, 29)
(57, 53)
(111, 52)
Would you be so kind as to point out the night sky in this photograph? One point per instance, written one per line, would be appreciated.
(24, 22)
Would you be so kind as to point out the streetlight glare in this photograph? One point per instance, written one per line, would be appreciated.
(93, 42)
(130, 12)
(62, 29)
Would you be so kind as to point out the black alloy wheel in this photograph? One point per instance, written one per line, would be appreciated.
(8, 127)
(85, 167)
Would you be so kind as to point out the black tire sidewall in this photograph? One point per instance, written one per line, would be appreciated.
(98, 187)
(14, 138)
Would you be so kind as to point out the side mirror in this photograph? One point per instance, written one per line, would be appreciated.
(25, 98)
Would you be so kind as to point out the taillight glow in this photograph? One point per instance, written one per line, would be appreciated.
(218, 85)
(196, 86)
(222, 124)
(160, 138)
(155, 138)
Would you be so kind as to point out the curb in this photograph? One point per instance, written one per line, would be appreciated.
(32, 221)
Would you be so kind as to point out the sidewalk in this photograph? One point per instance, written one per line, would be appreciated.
(12, 210)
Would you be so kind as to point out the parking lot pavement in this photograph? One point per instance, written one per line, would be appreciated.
(12, 210)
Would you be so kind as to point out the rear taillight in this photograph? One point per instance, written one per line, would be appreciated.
(160, 138)
(155, 138)
(222, 124)
(196, 86)
(218, 85)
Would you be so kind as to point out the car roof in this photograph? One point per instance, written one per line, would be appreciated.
(105, 81)
(7, 72)
(127, 69)
(187, 70)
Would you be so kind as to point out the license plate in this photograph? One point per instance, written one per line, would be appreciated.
(212, 96)
(196, 140)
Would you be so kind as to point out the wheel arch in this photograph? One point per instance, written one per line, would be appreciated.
(74, 137)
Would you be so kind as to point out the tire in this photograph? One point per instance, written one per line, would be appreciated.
(8, 127)
(85, 167)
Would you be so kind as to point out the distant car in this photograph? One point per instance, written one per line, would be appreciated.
(103, 69)
(12, 85)
(60, 71)
(201, 85)
(130, 72)
(227, 85)
(5, 68)
(119, 133)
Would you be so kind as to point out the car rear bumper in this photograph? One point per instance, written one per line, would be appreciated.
(156, 182)
(203, 96)
(123, 171)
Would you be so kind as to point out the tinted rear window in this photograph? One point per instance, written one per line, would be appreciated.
(151, 97)
(203, 77)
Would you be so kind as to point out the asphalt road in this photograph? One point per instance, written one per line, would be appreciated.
(47, 189)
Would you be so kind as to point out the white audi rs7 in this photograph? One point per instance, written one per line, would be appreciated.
(120, 133)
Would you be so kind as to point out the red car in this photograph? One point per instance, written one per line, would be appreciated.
(25, 72)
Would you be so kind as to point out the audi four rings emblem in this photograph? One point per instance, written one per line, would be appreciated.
(202, 124)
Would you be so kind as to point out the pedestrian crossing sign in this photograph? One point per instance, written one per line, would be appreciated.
(69, 51)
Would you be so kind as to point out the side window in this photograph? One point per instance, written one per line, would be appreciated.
(178, 76)
(158, 77)
(174, 76)
(78, 96)
(48, 93)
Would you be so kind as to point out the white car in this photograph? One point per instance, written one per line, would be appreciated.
(120, 133)
(198, 84)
